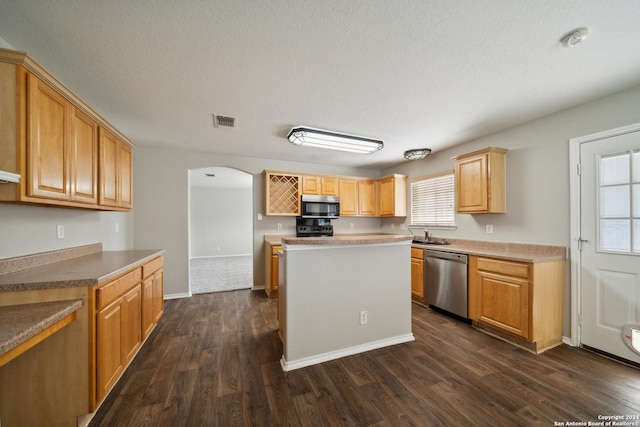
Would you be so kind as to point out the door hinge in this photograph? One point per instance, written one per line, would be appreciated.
(579, 169)
(579, 319)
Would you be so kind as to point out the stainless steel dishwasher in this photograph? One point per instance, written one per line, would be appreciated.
(445, 281)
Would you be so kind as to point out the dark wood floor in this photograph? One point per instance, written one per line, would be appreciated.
(213, 360)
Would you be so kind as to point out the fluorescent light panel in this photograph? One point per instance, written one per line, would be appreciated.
(9, 177)
(329, 140)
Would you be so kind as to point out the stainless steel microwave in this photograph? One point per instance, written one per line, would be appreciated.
(313, 206)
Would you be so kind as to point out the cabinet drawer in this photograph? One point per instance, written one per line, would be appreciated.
(417, 253)
(152, 266)
(114, 290)
(509, 268)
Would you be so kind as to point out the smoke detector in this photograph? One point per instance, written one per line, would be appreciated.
(574, 38)
(220, 121)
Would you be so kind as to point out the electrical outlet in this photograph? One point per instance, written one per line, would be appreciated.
(279, 226)
(363, 317)
(60, 231)
(489, 228)
(259, 217)
(351, 225)
(401, 226)
(117, 228)
(393, 226)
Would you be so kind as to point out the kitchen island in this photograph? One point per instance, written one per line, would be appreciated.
(343, 295)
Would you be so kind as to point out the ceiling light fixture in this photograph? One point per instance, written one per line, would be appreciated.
(575, 37)
(417, 153)
(9, 177)
(330, 140)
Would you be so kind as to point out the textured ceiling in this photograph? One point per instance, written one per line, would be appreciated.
(415, 73)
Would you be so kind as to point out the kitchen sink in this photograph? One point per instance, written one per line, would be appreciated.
(431, 242)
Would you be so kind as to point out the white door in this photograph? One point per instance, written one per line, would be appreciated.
(610, 233)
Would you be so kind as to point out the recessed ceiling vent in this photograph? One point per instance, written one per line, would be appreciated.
(220, 121)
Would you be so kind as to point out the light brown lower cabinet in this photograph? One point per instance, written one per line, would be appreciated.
(518, 301)
(152, 295)
(417, 274)
(123, 312)
(271, 269)
(118, 338)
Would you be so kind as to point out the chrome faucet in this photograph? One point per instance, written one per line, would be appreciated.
(426, 235)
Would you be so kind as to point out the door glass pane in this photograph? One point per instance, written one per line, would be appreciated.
(636, 235)
(636, 200)
(614, 201)
(615, 235)
(636, 166)
(614, 169)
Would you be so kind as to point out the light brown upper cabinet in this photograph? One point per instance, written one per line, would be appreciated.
(115, 171)
(282, 193)
(386, 196)
(480, 181)
(320, 185)
(84, 158)
(393, 196)
(50, 137)
(368, 197)
(348, 197)
(48, 146)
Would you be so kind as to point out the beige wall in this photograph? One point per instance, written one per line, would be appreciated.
(31, 229)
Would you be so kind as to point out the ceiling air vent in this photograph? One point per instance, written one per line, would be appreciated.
(224, 121)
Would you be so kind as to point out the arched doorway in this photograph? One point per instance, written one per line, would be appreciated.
(220, 230)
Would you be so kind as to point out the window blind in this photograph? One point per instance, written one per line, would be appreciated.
(433, 200)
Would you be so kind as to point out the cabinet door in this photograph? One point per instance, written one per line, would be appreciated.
(504, 303)
(367, 200)
(109, 156)
(132, 319)
(274, 272)
(417, 277)
(310, 185)
(471, 184)
(84, 158)
(47, 141)
(116, 172)
(329, 186)
(392, 196)
(348, 197)
(110, 351)
(125, 176)
(387, 197)
(147, 307)
(158, 295)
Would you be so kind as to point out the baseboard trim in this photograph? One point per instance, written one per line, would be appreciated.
(219, 256)
(568, 341)
(337, 354)
(177, 296)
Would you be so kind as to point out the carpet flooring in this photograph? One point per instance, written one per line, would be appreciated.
(215, 274)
